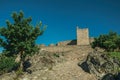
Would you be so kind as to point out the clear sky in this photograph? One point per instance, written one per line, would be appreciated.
(62, 16)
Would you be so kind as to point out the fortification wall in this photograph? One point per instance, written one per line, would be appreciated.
(56, 48)
(62, 45)
(68, 42)
(63, 48)
(73, 42)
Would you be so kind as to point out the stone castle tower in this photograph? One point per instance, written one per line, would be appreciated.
(82, 36)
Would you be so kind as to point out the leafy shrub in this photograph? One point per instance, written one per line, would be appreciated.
(56, 55)
(7, 64)
(114, 55)
(109, 42)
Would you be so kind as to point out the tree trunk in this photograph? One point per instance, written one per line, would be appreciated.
(21, 66)
(20, 59)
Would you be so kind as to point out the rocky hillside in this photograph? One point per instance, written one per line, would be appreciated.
(55, 66)
(102, 65)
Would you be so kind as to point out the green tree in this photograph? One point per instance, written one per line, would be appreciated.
(118, 42)
(109, 45)
(18, 38)
(109, 42)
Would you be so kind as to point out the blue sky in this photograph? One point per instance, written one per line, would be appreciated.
(62, 16)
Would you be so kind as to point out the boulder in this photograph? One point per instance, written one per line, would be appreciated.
(100, 64)
(108, 76)
(118, 76)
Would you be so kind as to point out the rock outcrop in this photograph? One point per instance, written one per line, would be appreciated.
(100, 64)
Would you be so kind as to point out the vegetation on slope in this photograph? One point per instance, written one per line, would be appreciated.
(18, 41)
(109, 42)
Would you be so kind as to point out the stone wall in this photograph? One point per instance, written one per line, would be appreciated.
(82, 36)
(72, 42)
(82, 39)
(54, 49)
(68, 42)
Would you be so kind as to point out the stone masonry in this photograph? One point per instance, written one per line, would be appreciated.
(82, 36)
(83, 39)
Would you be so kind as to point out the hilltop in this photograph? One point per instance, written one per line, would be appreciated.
(56, 65)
